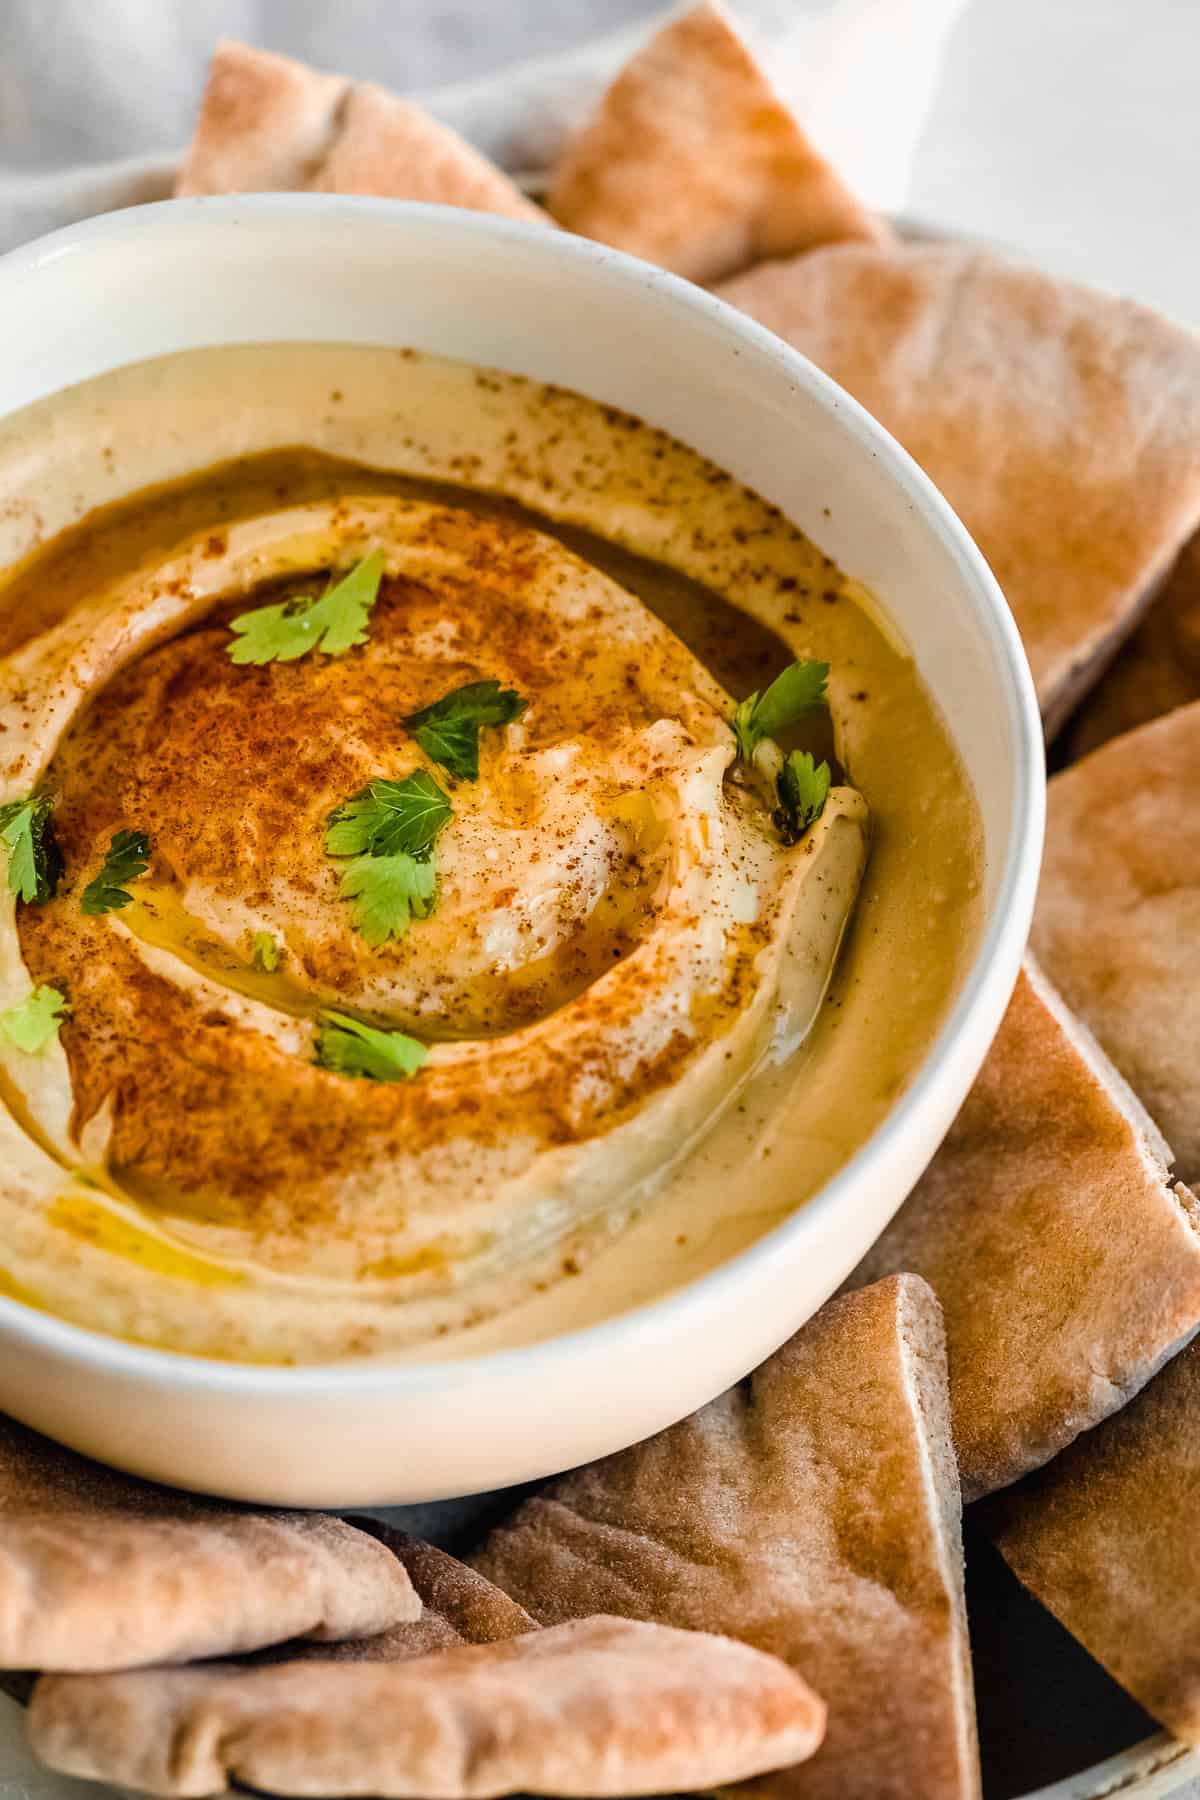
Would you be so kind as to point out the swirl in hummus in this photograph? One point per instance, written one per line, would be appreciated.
(617, 935)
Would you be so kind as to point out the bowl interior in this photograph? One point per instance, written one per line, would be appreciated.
(251, 269)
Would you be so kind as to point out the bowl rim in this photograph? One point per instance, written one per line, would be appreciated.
(1015, 890)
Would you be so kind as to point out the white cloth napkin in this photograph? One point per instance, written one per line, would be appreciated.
(114, 76)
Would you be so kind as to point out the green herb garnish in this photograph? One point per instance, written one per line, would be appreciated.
(350, 1048)
(35, 863)
(386, 817)
(33, 1023)
(388, 892)
(389, 829)
(264, 952)
(448, 730)
(799, 690)
(803, 789)
(333, 623)
(128, 857)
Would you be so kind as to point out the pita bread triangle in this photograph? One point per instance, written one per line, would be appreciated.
(101, 1571)
(1156, 671)
(1062, 424)
(268, 122)
(1106, 1539)
(693, 161)
(811, 1511)
(1066, 1262)
(1117, 922)
(596, 1707)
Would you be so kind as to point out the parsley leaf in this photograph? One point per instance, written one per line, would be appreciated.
(389, 829)
(448, 730)
(128, 857)
(388, 891)
(350, 1048)
(36, 1020)
(264, 952)
(803, 789)
(35, 863)
(291, 628)
(799, 690)
(387, 817)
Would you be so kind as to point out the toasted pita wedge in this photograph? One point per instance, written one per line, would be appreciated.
(1106, 1539)
(1067, 1265)
(1062, 424)
(812, 1511)
(1118, 914)
(101, 1571)
(388, 146)
(1156, 671)
(265, 122)
(268, 122)
(460, 1606)
(693, 161)
(604, 1706)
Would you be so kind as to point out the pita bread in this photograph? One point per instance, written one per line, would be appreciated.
(812, 1511)
(101, 1571)
(1118, 914)
(1062, 424)
(604, 1706)
(267, 122)
(1106, 1539)
(388, 146)
(459, 1606)
(1157, 670)
(1067, 1266)
(692, 160)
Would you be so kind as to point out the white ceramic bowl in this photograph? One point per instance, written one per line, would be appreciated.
(187, 273)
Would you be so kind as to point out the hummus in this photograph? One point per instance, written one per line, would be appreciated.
(623, 975)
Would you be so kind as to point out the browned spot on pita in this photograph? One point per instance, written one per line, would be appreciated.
(1067, 1266)
(692, 160)
(269, 122)
(1106, 1539)
(101, 1571)
(603, 1706)
(1156, 671)
(1118, 914)
(812, 1511)
(1063, 425)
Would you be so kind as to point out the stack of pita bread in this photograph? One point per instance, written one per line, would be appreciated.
(771, 1591)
